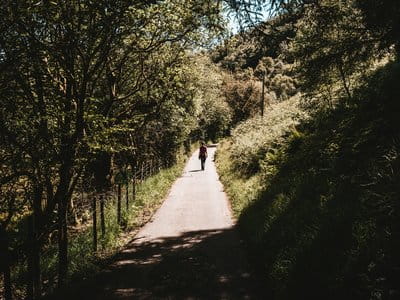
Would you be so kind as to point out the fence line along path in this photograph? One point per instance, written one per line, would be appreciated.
(188, 250)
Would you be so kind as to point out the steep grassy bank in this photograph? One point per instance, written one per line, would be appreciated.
(318, 203)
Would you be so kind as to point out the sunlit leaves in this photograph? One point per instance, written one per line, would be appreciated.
(82, 77)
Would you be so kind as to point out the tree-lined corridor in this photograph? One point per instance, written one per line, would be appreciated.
(188, 250)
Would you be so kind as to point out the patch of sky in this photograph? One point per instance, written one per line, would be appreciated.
(241, 19)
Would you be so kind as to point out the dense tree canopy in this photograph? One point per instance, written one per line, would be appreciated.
(315, 182)
(90, 90)
(84, 81)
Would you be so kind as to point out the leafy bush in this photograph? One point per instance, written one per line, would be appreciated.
(325, 223)
(242, 93)
(261, 137)
(213, 114)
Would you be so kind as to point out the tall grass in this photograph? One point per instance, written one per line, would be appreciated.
(83, 261)
(320, 212)
(149, 195)
(254, 149)
(260, 136)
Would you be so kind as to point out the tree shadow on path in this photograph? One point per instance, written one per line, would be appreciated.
(196, 265)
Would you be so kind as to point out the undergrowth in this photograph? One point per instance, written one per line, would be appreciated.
(261, 136)
(83, 262)
(149, 196)
(320, 210)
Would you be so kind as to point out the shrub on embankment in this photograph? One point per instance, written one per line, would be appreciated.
(319, 205)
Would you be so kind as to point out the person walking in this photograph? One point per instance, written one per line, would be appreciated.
(203, 155)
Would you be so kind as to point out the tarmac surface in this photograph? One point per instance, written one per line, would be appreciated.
(188, 250)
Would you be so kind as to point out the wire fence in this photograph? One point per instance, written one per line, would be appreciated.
(124, 186)
(87, 207)
(91, 211)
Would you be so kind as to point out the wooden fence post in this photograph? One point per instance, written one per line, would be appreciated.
(94, 209)
(102, 219)
(134, 186)
(127, 196)
(119, 204)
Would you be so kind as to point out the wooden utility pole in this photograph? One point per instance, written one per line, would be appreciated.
(262, 94)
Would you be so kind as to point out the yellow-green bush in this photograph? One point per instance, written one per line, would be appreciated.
(321, 214)
(255, 138)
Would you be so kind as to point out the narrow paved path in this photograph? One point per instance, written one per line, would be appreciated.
(196, 202)
(189, 249)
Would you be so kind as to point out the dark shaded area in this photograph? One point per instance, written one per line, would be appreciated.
(195, 265)
(328, 224)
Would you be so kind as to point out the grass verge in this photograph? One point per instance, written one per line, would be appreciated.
(83, 262)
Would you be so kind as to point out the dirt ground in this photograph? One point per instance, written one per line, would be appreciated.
(188, 250)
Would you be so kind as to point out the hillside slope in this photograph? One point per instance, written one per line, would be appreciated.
(319, 203)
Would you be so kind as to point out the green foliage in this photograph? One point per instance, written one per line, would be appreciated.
(330, 42)
(381, 18)
(237, 53)
(151, 192)
(242, 190)
(247, 60)
(319, 207)
(213, 114)
(242, 93)
(325, 48)
(246, 49)
(278, 84)
(325, 222)
(88, 89)
(83, 262)
(261, 137)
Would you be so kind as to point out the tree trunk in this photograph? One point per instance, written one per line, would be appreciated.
(119, 204)
(37, 278)
(5, 264)
(72, 212)
(30, 289)
(34, 272)
(94, 212)
(34, 279)
(102, 219)
(134, 188)
(127, 196)
(344, 81)
(397, 48)
(62, 243)
(7, 282)
(151, 168)
(36, 228)
(66, 154)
